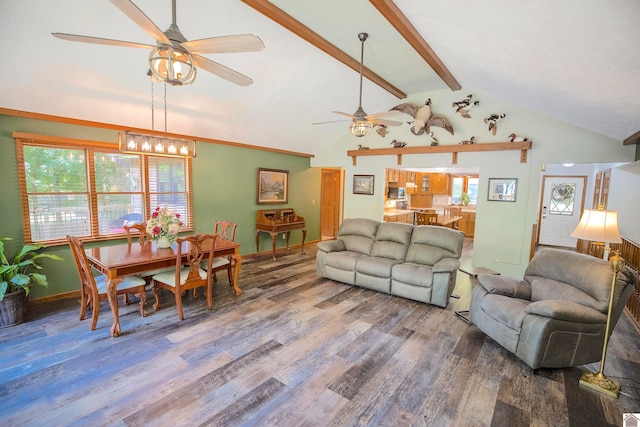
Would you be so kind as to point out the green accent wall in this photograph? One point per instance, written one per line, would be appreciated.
(224, 188)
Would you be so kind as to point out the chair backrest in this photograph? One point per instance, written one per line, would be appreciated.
(82, 264)
(453, 210)
(143, 236)
(225, 230)
(194, 251)
(426, 218)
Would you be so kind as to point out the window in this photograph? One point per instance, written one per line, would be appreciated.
(465, 184)
(91, 190)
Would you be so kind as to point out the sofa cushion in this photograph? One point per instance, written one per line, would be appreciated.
(392, 240)
(376, 266)
(358, 234)
(345, 260)
(430, 244)
(413, 274)
(549, 289)
(580, 271)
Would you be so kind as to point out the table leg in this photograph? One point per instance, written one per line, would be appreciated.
(112, 286)
(288, 233)
(304, 236)
(257, 242)
(274, 237)
(236, 272)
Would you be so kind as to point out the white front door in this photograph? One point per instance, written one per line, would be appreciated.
(562, 203)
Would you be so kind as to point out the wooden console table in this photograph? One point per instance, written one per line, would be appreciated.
(275, 221)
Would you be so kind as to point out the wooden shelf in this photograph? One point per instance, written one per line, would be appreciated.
(453, 149)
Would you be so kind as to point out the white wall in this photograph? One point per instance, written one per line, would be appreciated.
(624, 190)
(503, 230)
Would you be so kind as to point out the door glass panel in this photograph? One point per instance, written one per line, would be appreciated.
(562, 199)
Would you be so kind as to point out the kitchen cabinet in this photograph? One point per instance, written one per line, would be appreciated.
(439, 183)
(468, 223)
(421, 200)
(424, 186)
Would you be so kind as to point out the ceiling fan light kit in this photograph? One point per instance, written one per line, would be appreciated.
(172, 65)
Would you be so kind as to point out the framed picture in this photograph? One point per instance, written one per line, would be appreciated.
(272, 187)
(502, 189)
(363, 184)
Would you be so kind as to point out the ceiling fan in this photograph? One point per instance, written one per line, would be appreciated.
(361, 121)
(174, 58)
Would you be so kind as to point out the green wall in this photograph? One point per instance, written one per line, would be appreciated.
(224, 188)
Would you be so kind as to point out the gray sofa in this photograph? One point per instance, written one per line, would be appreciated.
(555, 316)
(415, 262)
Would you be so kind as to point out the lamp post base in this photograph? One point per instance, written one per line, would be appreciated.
(599, 382)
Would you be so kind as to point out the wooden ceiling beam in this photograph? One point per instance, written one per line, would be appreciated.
(287, 21)
(401, 23)
(633, 139)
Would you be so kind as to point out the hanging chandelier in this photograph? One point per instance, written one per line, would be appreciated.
(156, 144)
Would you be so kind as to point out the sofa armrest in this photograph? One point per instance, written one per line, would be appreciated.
(446, 265)
(566, 310)
(505, 285)
(331, 246)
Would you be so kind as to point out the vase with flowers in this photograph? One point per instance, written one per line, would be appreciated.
(164, 226)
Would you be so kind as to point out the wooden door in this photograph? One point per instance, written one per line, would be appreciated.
(330, 202)
(604, 192)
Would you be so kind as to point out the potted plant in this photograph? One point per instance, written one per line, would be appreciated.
(465, 199)
(16, 278)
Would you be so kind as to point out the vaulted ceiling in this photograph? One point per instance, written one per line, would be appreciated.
(575, 60)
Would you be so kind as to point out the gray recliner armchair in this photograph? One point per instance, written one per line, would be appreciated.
(555, 316)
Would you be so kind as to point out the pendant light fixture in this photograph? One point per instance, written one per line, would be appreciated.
(155, 144)
(360, 125)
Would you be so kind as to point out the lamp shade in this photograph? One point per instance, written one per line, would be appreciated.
(598, 226)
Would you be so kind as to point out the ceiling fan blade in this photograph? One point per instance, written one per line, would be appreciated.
(137, 16)
(221, 71)
(383, 114)
(332, 121)
(98, 40)
(384, 122)
(225, 44)
(344, 114)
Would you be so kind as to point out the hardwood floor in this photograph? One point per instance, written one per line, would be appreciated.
(292, 350)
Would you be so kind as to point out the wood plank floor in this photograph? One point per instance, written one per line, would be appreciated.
(292, 350)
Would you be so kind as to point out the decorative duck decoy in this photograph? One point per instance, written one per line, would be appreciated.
(471, 140)
(464, 106)
(424, 118)
(362, 147)
(398, 144)
(514, 138)
(492, 121)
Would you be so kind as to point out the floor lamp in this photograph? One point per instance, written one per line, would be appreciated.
(601, 227)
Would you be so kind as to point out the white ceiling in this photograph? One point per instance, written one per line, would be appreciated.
(575, 60)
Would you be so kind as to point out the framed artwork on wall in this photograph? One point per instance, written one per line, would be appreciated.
(502, 189)
(363, 184)
(272, 187)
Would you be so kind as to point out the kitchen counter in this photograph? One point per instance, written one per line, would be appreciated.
(399, 215)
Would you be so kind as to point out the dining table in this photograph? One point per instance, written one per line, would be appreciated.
(448, 220)
(121, 260)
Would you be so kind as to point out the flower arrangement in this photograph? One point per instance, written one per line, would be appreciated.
(164, 226)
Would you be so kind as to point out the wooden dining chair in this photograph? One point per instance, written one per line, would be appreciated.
(93, 289)
(427, 218)
(143, 236)
(452, 210)
(225, 230)
(191, 276)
